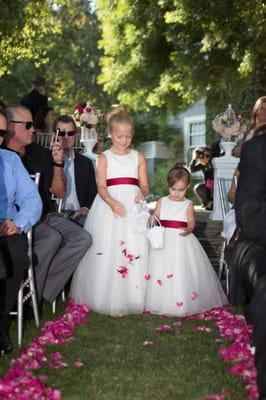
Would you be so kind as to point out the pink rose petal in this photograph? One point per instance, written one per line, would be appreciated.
(123, 271)
(169, 276)
(160, 282)
(194, 296)
(147, 277)
(78, 364)
(164, 328)
(148, 343)
(179, 304)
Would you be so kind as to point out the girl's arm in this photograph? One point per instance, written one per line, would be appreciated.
(115, 205)
(190, 221)
(143, 179)
(156, 211)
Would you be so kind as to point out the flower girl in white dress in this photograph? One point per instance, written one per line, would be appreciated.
(110, 277)
(181, 280)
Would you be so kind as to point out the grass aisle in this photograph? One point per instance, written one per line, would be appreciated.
(183, 364)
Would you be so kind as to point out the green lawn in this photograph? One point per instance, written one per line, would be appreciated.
(182, 364)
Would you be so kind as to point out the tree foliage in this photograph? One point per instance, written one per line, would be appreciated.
(168, 53)
(63, 47)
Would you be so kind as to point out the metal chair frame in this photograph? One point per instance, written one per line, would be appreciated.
(28, 283)
(223, 188)
(59, 202)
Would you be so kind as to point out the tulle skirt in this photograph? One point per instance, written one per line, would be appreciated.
(111, 276)
(181, 280)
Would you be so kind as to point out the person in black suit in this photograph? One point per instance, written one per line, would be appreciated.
(36, 98)
(81, 184)
(250, 206)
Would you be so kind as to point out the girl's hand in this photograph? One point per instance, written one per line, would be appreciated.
(185, 232)
(139, 197)
(118, 209)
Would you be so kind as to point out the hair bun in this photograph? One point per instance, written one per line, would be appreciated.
(113, 110)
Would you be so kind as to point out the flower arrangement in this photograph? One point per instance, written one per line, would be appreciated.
(85, 115)
(230, 126)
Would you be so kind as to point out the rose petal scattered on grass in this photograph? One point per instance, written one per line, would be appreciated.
(78, 364)
(203, 329)
(19, 381)
(234, 331)
(164, 328)
(148, 343)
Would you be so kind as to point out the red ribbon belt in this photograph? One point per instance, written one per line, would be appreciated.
(167, 223)
(122, 181)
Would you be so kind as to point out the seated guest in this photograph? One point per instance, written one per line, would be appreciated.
(250, 206)
(59, 244)
(44, 120)
(36, 98)
(20, 209)
(81, 184)
(201, 161)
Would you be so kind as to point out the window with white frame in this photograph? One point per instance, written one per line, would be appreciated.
(194, 134)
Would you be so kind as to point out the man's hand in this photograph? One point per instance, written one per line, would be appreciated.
(8, 228)
(81, 211)
(58, 152)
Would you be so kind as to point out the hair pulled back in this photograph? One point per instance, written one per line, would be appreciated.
(178, 172)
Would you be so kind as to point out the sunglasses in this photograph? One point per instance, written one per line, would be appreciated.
(28, 124)
(3, 132)
(68, 133)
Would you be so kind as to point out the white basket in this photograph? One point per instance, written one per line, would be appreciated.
(155, 234)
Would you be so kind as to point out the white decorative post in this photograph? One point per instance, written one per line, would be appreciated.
(224, 167)
(88, 139)
(229, 127)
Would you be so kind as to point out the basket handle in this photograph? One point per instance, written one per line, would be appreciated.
(156, 221)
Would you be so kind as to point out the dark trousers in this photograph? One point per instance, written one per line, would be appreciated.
(13, 250)
(204, 193)
(253, 273)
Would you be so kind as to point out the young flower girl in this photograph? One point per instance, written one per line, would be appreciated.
(181, 280)
(110, 277)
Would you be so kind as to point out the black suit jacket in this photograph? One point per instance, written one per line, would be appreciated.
(85, 180)
(250, 202)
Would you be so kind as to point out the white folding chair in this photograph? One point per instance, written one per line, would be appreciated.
(223, 189)
(28, 284)
(59, 202)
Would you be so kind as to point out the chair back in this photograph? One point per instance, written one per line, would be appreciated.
(223, 188)
(59, 202)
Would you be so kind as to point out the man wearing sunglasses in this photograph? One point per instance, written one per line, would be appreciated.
(59, 244)
(20, 209)
(81, 185)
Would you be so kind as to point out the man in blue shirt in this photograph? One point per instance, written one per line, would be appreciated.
(20, 209)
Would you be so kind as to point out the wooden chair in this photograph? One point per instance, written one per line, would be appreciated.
(27, 288)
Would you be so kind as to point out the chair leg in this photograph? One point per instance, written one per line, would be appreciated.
(20, 314)
(221, 264)
(63, 294)
(227, 279)
(34, 298)
(54, 306)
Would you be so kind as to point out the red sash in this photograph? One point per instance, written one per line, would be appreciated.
(167, 223)
(122, 181)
